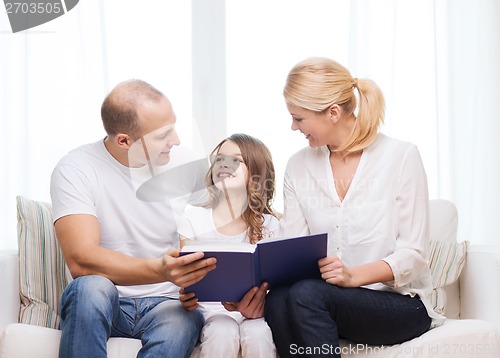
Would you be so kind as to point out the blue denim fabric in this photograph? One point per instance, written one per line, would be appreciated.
(92, 311)
(308, 318)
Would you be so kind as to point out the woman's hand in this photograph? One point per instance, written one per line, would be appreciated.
(333, 271)
(188, 300)
(252, 304)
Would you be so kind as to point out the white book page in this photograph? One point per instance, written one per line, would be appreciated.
(281, 238)
(199, 245)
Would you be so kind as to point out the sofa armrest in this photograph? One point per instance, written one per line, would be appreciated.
(9, 288)
(480, 284)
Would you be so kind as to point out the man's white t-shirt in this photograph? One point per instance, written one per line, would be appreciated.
(89, 180)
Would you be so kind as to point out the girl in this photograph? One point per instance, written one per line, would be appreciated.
(240, 182)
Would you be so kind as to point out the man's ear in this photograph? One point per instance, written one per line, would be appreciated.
(123, 140)
(335, 112)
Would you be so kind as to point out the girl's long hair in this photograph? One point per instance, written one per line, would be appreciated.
(260, 184)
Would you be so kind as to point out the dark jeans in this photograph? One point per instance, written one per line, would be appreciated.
(308, 318)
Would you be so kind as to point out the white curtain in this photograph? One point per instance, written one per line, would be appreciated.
(389, 41)
(436, 61)
(440, 63)
(473, 123)
(55, 76)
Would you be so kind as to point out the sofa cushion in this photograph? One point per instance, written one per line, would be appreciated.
(443, 228)
(446, 260)
(42, 270)
(455, 338)
(44, 343)
(9, 288)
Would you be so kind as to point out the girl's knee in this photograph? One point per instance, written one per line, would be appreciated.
(221, 326)
(220, 337)
(255, 330)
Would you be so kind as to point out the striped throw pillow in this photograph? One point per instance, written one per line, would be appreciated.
(42, 270)
(446, 262)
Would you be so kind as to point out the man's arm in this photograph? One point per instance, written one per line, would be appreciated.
(78, 237)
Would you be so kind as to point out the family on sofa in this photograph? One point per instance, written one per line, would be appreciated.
(366, 190)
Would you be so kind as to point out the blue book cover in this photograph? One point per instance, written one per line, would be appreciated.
(241, 266)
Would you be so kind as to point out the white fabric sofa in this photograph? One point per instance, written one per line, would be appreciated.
(473, 308)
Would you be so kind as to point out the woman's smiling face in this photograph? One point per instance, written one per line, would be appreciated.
(314, 125)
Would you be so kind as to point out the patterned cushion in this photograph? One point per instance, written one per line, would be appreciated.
(42, 270)
(446, 262)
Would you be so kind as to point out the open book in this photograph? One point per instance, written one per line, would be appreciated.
(241, 266)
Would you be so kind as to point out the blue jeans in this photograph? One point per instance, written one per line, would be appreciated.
(308, 318)
(92, 311)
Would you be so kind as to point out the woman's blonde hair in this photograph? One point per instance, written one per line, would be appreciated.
(260, 186)
(317, 83)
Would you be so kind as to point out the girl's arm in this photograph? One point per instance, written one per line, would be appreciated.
(182, 241)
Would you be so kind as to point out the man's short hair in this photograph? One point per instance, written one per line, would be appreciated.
(119, 108)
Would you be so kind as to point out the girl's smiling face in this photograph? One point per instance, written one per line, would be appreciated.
(229, 167)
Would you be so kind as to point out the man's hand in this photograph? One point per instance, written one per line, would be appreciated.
(252, 304)
(185, 270)
(188, 300)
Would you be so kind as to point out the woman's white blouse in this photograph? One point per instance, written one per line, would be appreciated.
(384, 215)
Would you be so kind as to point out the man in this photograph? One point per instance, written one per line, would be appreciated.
(120, 250)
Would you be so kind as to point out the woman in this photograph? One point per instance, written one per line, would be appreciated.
(369, 192)
(241, 186)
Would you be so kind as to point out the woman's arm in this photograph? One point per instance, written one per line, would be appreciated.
(412, 205)
(333, 271)
(409, 251)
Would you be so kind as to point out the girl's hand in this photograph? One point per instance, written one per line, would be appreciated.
(188, 300)
(230, 306)
(333, 271)
(252, 304)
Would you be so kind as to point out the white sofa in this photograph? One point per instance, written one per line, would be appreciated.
(473, 308)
